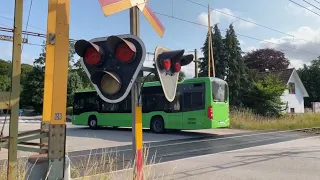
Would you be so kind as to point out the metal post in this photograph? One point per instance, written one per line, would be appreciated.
(196, 63)
(15, 91)
(136, 106)
(55, 92)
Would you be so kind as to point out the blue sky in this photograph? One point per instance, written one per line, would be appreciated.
(87, 21)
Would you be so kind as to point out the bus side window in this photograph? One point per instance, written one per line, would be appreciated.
(193, 101)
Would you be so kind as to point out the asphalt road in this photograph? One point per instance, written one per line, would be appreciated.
(120, 157)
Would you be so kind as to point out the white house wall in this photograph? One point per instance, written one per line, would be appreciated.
(296, 100)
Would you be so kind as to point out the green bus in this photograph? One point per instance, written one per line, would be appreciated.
(200, 103)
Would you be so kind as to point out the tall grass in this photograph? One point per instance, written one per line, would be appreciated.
(245, 119)
(104, 166)
(21, 169)
(98, 166)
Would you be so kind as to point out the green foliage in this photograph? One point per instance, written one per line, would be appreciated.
(74, 84)
(237, 77)
(32, 94)
(245, 90)
(264, 96)
(309, 76)
(4, 83)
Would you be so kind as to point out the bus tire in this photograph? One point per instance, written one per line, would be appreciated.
(157, 125)
(93, 122)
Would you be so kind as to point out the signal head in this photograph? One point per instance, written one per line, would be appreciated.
(112, 63)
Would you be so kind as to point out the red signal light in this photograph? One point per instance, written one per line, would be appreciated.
(177, 67)
(92, 56)
(166, 64)
(123, 53)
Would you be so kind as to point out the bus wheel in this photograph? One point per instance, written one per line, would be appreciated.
(93, 122)
(157, 125)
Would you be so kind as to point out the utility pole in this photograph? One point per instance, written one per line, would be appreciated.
(210, 48)
(136, 105)
(12, 170)
(209, 42)
(196, 63)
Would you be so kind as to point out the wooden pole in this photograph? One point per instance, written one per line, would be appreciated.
(15, 91)
(209, 42)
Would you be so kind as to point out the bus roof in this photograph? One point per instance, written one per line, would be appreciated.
(157, 83)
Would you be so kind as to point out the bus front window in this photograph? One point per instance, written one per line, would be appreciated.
(219, 92)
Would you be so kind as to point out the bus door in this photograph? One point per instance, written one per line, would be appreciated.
(174, 114)
(193, 110)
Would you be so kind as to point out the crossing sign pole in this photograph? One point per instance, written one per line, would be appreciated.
(136, 106)
(110, 7)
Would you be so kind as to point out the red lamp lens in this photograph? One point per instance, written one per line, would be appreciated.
(177, 67)
(166, 64)
(124, 53)
(92, 56)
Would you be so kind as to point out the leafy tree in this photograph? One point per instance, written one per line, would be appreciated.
(309, 76)
(218, 55)
(86, 83)
(4, 83)
(74, 84)
(32, 94)
(236, 71)
(267, 58)
(264, 96)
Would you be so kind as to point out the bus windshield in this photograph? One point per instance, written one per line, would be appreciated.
(219, 91)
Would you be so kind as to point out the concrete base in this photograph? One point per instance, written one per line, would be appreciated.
(37, 167)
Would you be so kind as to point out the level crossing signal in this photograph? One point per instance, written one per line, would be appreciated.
(168, 64)
(112, 64)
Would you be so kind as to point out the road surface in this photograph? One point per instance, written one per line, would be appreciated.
(166, 151)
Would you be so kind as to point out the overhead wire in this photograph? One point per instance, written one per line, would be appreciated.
(311, 4)
(304, 7)
(254, 23)
(26, 35)
(246, 36)
(177, 18)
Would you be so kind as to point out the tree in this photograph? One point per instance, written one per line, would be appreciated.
(32, 94)
(236, 71)
(264, 96)
(74, 84)
(86, 83)
(309, 76)
(267, 58)
(218, 55)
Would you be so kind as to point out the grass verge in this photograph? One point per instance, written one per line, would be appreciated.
(245, 119)
(99, 166)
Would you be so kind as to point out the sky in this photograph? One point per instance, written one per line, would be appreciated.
(278, 24)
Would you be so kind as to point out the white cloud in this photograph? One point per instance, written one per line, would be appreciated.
(218, 15)
(300, 49)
